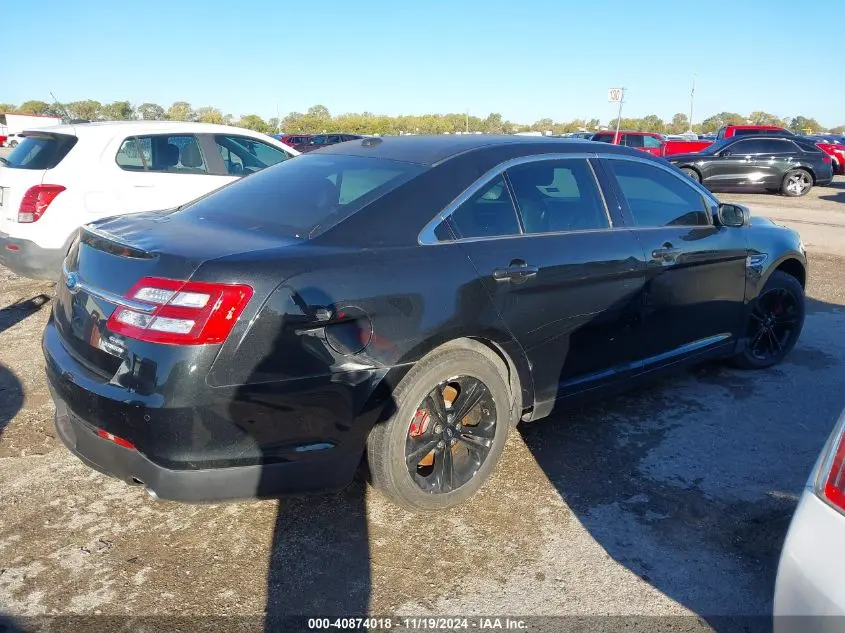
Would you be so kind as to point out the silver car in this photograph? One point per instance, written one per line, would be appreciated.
(810, 591)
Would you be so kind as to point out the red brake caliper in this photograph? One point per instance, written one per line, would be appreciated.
(419, 423)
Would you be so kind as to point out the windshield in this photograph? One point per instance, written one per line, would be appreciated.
(40, 151)
(303, 197)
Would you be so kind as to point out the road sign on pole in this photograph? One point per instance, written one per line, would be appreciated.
(617, 95)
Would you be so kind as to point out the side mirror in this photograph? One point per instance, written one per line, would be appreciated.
(734, 215)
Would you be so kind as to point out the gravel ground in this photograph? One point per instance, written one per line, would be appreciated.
(672, 500)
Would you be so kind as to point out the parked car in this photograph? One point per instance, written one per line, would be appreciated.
(788, 165)
(649, 142)
(12, 140)
(297, 141)
(673, 147)
(729, 131)
(61, 177)
(368, 299)
(809, 592)
(322, 140)
(834, 147)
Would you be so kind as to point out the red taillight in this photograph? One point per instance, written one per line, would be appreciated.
(181, 312)
(831, 482)
(35, 202)
(114, 438)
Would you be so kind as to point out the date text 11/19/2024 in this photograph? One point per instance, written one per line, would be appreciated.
(421, 624)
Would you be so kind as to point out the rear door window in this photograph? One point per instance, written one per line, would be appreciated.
(40, 151)
(633, 140)
(163, 153)
(559, 195)
(603, 138)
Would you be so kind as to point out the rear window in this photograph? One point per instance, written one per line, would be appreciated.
(304, 197)
(40, 151)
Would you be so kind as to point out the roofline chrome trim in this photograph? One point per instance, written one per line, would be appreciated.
(107, 296)
(427, 237)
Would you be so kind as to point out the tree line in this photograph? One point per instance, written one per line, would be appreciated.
(318, 119)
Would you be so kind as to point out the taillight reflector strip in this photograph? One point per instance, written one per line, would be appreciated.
(184, 312)
(35, 202)
(114, 438)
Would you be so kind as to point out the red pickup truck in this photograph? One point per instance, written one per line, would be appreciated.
(650, 142)
(729, 131)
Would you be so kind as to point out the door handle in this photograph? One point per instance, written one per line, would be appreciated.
(666, 254)
(517, 272)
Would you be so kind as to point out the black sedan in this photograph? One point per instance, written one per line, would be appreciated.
(402, 301)
(788, 165)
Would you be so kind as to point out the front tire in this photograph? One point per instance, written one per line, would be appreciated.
(690, 173)
(796, 183)
(449, 426)
(774, 323)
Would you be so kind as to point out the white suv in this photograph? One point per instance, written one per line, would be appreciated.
(62, 177)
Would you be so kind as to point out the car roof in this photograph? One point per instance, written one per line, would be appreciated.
(628, 132)
(431, 150)
(108, 128)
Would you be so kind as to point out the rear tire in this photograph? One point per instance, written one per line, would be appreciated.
(463, 451)
(774, 323)
(690, 173)
(796, 183)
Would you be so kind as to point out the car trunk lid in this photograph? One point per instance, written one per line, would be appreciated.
(111, 256)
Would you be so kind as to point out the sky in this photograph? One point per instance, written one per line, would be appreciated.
(525, 59)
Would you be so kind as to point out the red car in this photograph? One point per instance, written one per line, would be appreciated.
(650, 142)
(833, 146)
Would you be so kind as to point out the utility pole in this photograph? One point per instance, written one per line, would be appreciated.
(619, 116)
(691, 101)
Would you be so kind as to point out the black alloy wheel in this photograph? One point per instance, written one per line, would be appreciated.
(774, 323)
(445, 429)
(773, 320)
(451, 434)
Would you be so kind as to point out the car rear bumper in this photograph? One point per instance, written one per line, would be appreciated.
(809, 593)
(27, 259)
(201, 485)
(216, 447)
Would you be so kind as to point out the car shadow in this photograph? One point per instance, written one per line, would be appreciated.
(13, 314)
(319, 560)
(11, 401)
(649, 507)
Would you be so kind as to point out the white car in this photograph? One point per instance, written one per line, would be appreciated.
(62, 177)
(810, 592)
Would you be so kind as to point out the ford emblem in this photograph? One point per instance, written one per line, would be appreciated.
(72, 282)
